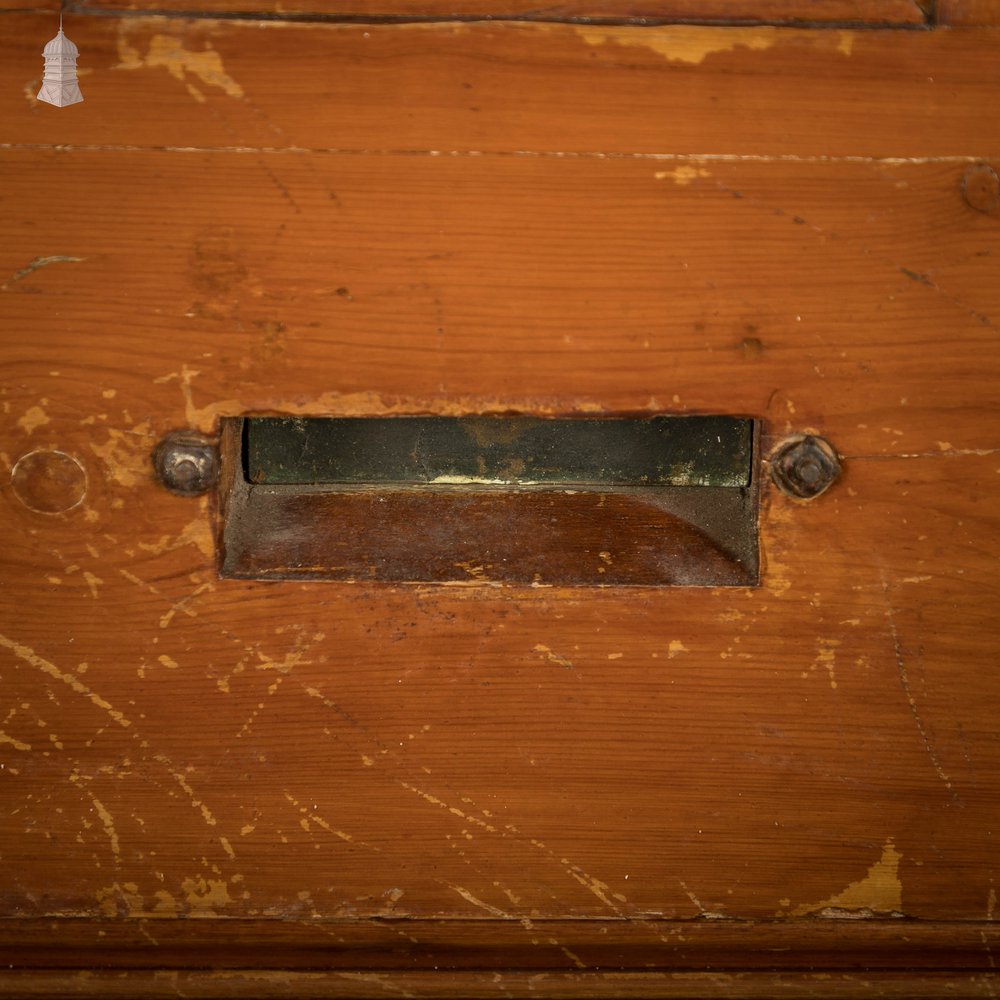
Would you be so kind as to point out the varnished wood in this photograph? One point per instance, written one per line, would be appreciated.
(476, 985)
(734, 790)
(225, 88)
(963, 13)
(877, 12)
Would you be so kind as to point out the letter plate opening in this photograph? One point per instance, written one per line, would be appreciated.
(654, 501)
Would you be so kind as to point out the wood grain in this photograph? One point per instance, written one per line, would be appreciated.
(500, 782)
(476, 985)
(876, 12)
(965, 13)
(464, 88)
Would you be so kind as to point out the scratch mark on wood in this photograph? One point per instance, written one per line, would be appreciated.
(571, 955)
(928, 282)
(36, 264)
(28, 655)
(466, 895)
(319, 821)
(702, 911)
(600, 889)
(454, 810)
(904, 680)
(107, 820)
(188, 790)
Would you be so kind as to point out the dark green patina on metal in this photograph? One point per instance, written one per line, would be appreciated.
(516, 451)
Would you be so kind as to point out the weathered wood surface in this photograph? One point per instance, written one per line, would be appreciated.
(465, 88)
(962, 13)
(874, 12)
(218, 985)
(383, 758)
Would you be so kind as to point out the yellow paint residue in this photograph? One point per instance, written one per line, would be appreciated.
(35, 417)
(197, 533)
(167, 52)
(126, 455)
(693, 44)
(109, 825)
(880, 891)
(168, 662)
(553, 657)
(675, 648)
(475, 901)
(348, 404)
(826, 656)
(16, 744)
(682, 42)
(682, 175)
(205, 896)
(29, 656)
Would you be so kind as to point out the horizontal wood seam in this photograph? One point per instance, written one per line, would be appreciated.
(392, 19)
(13, 147)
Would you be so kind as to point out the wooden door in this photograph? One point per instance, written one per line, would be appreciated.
(217, 787)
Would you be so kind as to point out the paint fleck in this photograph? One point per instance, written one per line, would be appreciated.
(169, 53)
(826, 657)
(553, 657)
(683, 43)
(880, 891)
(683, 175)
(16, 744)
(35, 417)
(205, 896)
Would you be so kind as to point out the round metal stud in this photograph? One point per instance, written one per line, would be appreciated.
(804, 466)
(186, 463)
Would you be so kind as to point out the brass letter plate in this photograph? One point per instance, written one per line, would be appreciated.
(658, 501)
